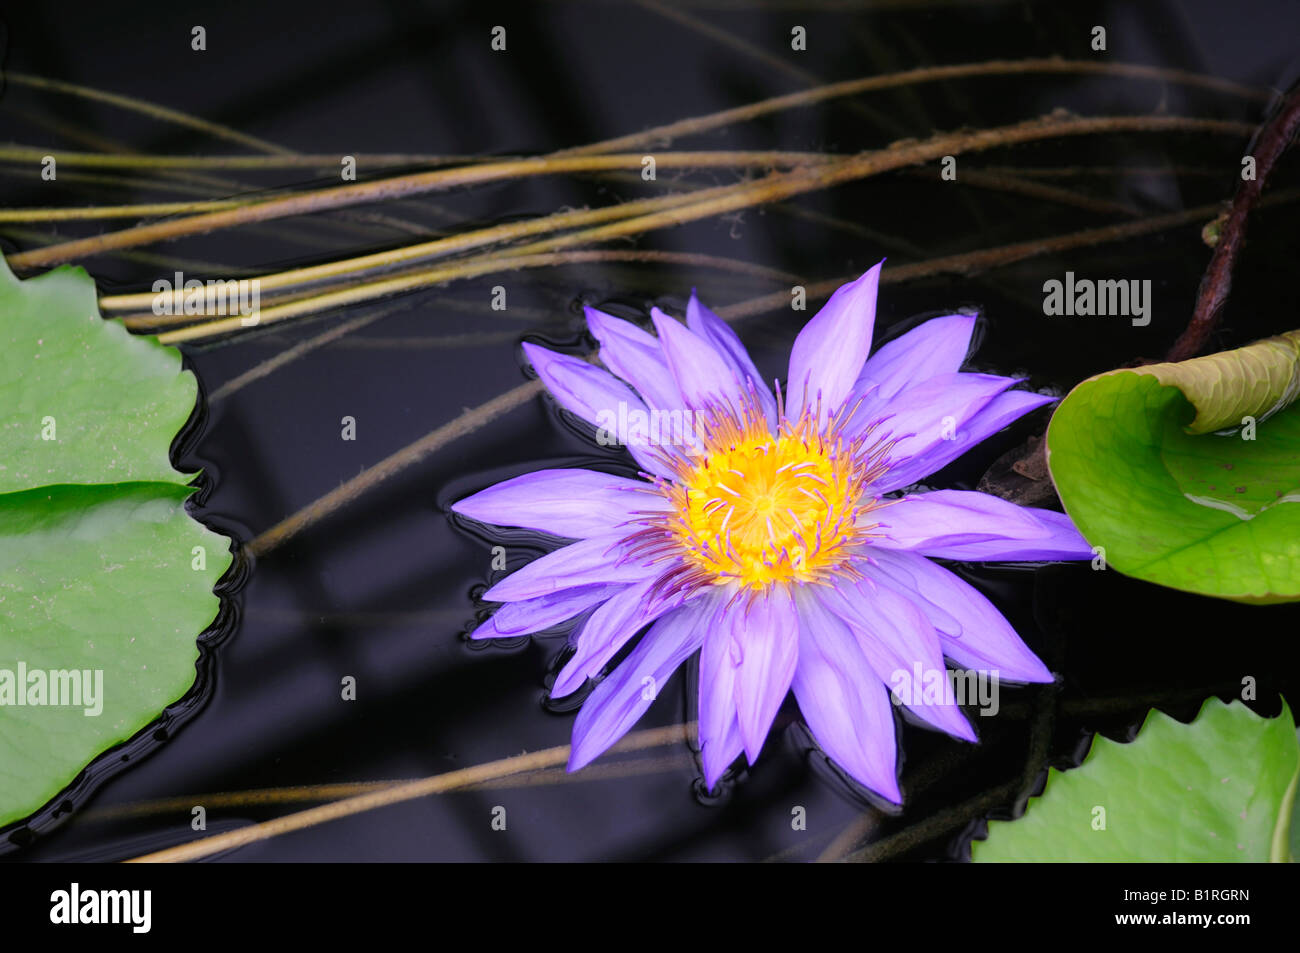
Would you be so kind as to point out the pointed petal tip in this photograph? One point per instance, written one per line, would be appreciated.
(719, 753)
(487, 630)
(542, 358)
(659, 318)
(962, 728)
(566, 683)
(469, 508)
(893, 793)
(876, 781)
(695, 311)
(869, 277)
(713, 771)
(579, 758)
(1033, 672)
(597, 320)
(879, 783)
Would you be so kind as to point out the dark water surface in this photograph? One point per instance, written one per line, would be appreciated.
(385, 589)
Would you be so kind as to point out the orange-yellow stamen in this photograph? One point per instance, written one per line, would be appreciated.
(759, 509)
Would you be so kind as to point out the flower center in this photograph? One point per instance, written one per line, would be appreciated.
(769, 509)
(759, 509)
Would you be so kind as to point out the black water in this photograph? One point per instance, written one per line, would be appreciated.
(384, 590)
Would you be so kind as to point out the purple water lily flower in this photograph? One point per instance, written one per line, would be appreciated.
(768, 534)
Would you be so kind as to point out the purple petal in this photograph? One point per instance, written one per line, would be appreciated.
(843, 701)
(966, 525)
(939, 346)
(623, 696)
(719, 730)
(727, 343)
(635, 356)
(972, 632)
(830, 351)
(607, 631)
(895, 575)
(764, 651)
(703, 376)
(900, 644)
(950, 517)
(572, 503)
(1002, 410)
(930, 412)
(601, 559)
(532, 615)
(599, 398)
(1062, 541)
(720, 751)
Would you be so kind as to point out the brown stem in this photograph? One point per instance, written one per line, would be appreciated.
(144, 107)
(811, 171)
(402, 186)
(929, 74)
(1270, 144)
(768, 189)
(403, 791)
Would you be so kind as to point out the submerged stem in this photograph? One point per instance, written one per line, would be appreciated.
(929, 74)
(145, 107)
(770, 188)
(813, 171)
(405, 791)
(418, 183)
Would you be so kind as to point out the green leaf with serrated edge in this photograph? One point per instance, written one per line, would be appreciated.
(102, 571)
(1144, 475)
(1218, 789)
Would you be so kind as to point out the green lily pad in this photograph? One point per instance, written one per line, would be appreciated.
(1218, 789)
(1188, 474)
(102, 571)
(81, 399)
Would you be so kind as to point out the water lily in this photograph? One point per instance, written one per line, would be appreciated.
(772, 535)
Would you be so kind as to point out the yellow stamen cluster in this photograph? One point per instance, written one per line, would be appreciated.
(759, 509)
